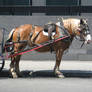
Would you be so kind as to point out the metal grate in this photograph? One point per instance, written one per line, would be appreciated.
(27, 10)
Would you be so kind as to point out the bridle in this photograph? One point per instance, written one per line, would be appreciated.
(84, 31)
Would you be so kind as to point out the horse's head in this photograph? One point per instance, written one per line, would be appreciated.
(83, 31)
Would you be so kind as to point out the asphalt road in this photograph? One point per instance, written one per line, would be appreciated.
(39, 77)
(46, 85)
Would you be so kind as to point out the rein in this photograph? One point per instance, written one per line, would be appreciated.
(37, 47)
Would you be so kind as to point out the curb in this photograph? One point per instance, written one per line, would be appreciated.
(50, 74)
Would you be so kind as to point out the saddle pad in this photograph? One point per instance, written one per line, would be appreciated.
(46, 33)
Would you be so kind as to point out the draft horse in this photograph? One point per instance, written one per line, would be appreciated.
(37, 34)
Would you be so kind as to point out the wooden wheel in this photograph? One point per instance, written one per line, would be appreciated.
(2, 62)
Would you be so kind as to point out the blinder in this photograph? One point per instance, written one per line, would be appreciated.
(83, 28)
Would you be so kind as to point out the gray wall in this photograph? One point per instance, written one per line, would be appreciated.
(38, 3)
(43, 3)
(86, 2)
(74, 53)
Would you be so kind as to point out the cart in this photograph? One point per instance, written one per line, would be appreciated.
(2, 60)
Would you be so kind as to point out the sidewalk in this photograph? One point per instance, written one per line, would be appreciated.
(49, 65)
(45, 68)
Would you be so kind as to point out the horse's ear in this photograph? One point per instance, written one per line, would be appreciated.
(81, 21)
(61, 20)
(86, 19)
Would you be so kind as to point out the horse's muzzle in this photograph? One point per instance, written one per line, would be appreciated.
(88, 42)
(88, 39)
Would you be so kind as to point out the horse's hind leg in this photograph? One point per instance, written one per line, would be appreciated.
(57, 72)
(14, 67)
(17, 66)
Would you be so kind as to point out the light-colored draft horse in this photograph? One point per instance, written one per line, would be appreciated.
(36, 35)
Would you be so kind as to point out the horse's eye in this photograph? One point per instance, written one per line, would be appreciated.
(80, 31)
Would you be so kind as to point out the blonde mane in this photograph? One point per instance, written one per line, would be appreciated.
(71, 24)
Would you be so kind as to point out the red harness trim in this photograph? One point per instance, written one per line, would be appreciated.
(35, 48)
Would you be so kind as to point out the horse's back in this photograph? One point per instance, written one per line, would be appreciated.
(22, 31)
(24, 27)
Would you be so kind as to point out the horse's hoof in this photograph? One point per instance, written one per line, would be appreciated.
(60, 76)
(14, 75)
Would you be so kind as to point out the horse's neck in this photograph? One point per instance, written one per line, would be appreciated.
(71, 25)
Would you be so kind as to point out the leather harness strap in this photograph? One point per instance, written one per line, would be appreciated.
(33, 36)
(37, 47)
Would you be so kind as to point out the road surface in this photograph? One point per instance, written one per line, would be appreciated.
(39, 77)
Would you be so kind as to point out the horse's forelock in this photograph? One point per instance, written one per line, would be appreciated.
(83, 21)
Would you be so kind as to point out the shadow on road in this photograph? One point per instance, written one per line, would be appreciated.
(49, 74)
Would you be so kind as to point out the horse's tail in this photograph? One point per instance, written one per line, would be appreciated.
(9, 39)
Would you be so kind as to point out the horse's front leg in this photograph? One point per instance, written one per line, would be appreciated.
(57, 72)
